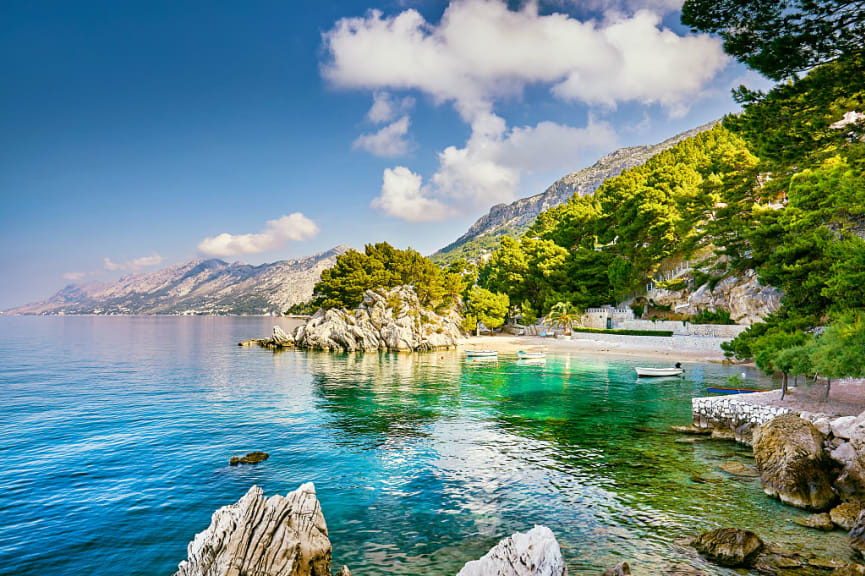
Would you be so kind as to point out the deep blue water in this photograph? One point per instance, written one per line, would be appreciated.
(115, 435)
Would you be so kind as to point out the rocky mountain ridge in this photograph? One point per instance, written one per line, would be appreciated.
(197, 287)
(516, 217)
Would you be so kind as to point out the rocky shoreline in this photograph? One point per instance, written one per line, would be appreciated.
(810, 460)
(288, 536)
(387, 320)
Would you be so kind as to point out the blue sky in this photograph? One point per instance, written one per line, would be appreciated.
(135, 135)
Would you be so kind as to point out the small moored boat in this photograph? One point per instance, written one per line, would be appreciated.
(531, 355)
(676, 370)
(481, 353)
(725, 390)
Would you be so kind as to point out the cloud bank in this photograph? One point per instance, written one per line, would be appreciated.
(480, 52)
(132, 265)
(277, 233)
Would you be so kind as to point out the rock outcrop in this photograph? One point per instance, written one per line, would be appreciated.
(729, 546)
(793, 464)
(276, 536)
(532, 553)
(849, 453)
(250, 458)
(386, 320)
(743, 297)
(844, 515)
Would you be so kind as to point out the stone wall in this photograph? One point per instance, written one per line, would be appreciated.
(731, 412)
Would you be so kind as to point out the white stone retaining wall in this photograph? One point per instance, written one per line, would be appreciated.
(732, 412)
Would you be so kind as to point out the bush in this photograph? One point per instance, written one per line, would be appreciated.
(709, 317)
(664, 333)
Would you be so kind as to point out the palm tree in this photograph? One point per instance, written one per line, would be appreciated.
(564, 315)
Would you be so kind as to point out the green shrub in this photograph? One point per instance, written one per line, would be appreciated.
(709, 317)
(664, 333)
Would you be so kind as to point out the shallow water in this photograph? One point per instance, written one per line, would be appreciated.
(115, 437)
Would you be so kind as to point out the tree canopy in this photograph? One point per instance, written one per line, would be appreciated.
(383, 266)
(781, 38)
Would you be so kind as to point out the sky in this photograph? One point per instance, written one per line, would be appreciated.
(135, 135)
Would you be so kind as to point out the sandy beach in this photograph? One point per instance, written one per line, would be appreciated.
(693, 348)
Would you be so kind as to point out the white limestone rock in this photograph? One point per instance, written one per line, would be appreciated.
(276, 536)
(386, 320)
(743, 296)
(532, 553)
(843, 427)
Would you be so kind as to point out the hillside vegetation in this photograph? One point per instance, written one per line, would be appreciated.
(779, 188)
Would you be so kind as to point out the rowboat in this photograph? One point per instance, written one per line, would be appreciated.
(531, 355)
(723, 390)
(481, 353)
(658, 372)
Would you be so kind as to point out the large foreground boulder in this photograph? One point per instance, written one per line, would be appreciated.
(258, 536)
(729, 546)
(532, 553)
(793, 464)
(386, 320)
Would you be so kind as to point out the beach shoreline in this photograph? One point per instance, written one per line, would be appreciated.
(672, 348)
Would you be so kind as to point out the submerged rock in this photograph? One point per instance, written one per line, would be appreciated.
(729, 546)
(694, 430)
(792, 463)
(738, 469)
(817, 521)
(849, 570)
(532, 553)
(620, 569)
(250, 458)
(276, 536)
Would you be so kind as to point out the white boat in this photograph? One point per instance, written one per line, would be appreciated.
(481, 353)
(658, 372)
(531, 355)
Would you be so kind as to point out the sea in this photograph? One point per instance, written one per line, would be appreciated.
(116, 435)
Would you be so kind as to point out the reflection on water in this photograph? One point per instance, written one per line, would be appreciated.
(117, 432)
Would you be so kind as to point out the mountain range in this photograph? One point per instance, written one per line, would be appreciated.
(196, 287)
(214, 286)
(515, 218)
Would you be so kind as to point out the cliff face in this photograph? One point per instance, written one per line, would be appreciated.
(743, 296)
(519, 215)
(196, 287)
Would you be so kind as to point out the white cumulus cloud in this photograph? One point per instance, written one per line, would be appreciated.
(74, 276)
(277, 233)
(388, 142)
(487, 170)
(403, 196)
(481, 50)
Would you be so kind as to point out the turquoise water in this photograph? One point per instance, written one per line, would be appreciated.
(116, 433)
